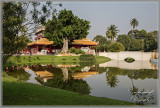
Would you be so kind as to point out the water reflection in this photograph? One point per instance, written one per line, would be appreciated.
(96, 80)
(19, 73)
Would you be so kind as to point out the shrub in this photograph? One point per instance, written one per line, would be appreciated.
(116, 47)
(76, 51)
(86, 64)
(83, 52)
(72, 50)
(74, 59)
(63, 59)
(87, 57)
(38, 58)
(129, 60)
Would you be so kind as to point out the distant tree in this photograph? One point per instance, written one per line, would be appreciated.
(111, 32)
(137, 45)
(142, 34)
(65, 28)
(155, 35)
(150, 43)
(138, 34)
(134, 23)
(101, 39)
(125, 40)
(103, 43)
(116, 47)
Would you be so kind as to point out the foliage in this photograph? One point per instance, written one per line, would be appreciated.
(155, 35)
(103, 43)
(150, 43)
(137, 45)
(90, 63)
(66, 26)
(76, 51)
(19, 74)
(101, 39)
(129, 59)
(138, 34)
(112, 32)
(134, 23)
(13, 18)
(116, 47)
(125, 40)
(87, 57)
(20, 20)
(75, 85)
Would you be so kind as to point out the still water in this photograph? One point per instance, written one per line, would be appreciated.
(115, 79)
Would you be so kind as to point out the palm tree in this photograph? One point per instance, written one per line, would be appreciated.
(112, 32)
(134, 23)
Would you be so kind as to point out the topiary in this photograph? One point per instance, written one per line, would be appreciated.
(129, 59)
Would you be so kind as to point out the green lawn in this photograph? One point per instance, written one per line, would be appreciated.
(51, 59)
(23, 93)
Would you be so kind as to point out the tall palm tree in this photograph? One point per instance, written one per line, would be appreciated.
(134, 23)
(112, 32)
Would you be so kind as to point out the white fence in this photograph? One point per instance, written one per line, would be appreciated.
(137, 55)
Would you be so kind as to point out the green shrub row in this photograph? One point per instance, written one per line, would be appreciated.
(87, 57)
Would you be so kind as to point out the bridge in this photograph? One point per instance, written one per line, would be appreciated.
(137, 55)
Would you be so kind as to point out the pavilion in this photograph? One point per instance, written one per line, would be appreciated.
(42, 46)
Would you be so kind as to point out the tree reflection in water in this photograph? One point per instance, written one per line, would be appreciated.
(19, 73)
(67, 82)
(62, 78)
(140, 97)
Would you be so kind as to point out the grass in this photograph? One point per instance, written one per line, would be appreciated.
(23, 93)
(51, 59)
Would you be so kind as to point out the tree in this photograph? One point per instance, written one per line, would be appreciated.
(138, 34)
(155, 35)
(13, 18)
(103, 42)
(136, 45)
(143, 34)
(116, 47)
(134, 23)
(125, 40)
(112, 32)
(20, 20)
(150, 43)
(65, 28)
(101, 39)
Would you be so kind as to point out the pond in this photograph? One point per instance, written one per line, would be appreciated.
(134, 82)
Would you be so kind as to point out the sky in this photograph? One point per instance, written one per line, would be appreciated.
(102, 14)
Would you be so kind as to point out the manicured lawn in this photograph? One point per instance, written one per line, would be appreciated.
(52, 59)
(23, 93)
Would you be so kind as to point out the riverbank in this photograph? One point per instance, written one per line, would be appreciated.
(15, 60)
(23, 93)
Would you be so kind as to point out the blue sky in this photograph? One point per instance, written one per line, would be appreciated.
(102, 14)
